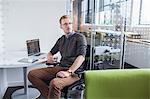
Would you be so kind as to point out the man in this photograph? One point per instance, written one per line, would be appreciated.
(72, 47)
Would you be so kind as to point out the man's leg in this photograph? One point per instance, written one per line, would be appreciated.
(57, 84)
(40, 78)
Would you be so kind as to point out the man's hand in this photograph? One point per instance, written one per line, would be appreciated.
(63, 74)
(50, 58)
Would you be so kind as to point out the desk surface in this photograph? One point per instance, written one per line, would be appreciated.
(108, 31)
(99, 50)
(10, 60)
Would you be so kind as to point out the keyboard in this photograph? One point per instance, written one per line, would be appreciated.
(39, 54)
(34, 58)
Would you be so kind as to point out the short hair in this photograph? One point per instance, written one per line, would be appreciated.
(63, 17)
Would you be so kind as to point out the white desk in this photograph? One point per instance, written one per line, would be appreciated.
(10, 61)
(100, 50)
(108, 31)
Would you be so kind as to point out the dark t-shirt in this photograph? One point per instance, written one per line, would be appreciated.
(70, 48)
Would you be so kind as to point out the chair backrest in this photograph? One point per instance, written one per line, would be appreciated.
(87, 58)
(117, 84)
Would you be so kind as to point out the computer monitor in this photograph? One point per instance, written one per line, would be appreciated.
(33, 47)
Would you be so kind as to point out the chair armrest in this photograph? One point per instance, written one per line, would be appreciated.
(47, 63)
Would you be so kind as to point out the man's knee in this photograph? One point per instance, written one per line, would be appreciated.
(55, 83)
(31, 74)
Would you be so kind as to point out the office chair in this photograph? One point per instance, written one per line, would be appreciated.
(78, 85)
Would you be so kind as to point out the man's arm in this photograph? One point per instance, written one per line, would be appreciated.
(53, 51)
(77, 63)
(81, 53)
(50, 58)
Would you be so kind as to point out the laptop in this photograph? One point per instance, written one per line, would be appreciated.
(33, 47)
(33, 50)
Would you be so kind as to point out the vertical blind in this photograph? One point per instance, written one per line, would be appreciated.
(1, 32)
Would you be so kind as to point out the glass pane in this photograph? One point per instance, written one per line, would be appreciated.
(107, 49)
(106, 2)
(145, 15)
(109, 42)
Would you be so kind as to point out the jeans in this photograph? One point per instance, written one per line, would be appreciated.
(45, 80)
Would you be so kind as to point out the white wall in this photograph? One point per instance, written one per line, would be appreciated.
(3, 84)
(138, 54)
(27, 19)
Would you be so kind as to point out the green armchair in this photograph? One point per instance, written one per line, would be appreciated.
(117, 84)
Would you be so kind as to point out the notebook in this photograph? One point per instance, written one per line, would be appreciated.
(33, 50)
(33, 47)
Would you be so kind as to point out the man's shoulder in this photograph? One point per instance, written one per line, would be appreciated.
(62, 37)
(78, 34)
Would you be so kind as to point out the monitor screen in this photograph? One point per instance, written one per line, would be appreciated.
(33, 47)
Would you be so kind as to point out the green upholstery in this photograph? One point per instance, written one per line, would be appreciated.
(117, 84)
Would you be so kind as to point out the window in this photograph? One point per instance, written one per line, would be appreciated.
(106, 11)
(144, 13)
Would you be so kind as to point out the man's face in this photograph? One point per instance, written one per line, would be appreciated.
(66, 25)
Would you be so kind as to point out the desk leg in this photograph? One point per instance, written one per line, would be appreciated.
(25, 80)
(25, 93)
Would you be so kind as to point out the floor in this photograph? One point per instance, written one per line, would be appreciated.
(74, 94)
(10, 90)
